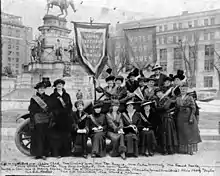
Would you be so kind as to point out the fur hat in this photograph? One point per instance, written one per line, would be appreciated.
(58, 81)
(40, 85)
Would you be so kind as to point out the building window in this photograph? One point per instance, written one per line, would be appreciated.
(174, 26)
(212, 21)
(178, 62)
(17, 59)
(206, 22)
(165, 27)
(206, 36)
(190, 24)
(195, 23)
(212, 35)
(17, 66)
(165, 39)
(160, 40)
(163, 59)
(9, 52)
(9, 46)
(209, 58)
(17, 53)
(9, 59)
(180, 25)
(17, 47)
(17, 42)
(209, 50)
(17, 72)
(208, 81)
(174, 39)
(160, 29)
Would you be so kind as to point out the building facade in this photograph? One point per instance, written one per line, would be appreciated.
(16, 40)
(195, 34)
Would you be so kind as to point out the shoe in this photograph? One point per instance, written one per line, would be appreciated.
(85, 156)
(93, 155)
(146, 154)
(123, 156)
(151, 154)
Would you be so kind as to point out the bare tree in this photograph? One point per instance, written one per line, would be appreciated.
(189, 52)
(216, 65)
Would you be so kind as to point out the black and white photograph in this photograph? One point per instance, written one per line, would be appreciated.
(110, 88)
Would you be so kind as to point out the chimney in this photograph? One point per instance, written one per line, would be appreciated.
(184, 12)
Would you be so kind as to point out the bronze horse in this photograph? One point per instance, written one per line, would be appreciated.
(62, 4)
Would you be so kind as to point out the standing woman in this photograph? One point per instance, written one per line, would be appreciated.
(61, 106)
(131, 119)
(187, 125)
(149, 93)
(80, 129)
(146, 130)
(39, 122)
(115, 130)
(98, 129)
(167, 130)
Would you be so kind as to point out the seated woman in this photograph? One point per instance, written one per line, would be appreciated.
(80, 129)
(98, 128)
(147, 138)
(130, 120)
(115, 130)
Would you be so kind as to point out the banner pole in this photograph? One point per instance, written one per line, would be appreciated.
(94, 83)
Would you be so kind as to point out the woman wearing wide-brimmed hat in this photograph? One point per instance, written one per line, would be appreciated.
(146, 128)
(39, 117)
(115, 130)
(177, 80)
(187, 124)
(130, 119)
(61, 106)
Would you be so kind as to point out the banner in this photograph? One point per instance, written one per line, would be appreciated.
(91, 43)
(141, 46)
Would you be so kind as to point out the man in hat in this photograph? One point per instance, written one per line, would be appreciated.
(158, 76)
(39, 121)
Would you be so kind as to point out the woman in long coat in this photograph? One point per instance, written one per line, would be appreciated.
(147, 140)
(167, 130)
(98, 130)
(115, 130)
(80, 130)
(187, 125)
(131, 119)
(61, 106)
(39, 118)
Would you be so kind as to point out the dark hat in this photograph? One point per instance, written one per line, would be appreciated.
(150, 79)
(98, 105)
(109, 71)
(179, 75)
(115, 103)
(146, 102)
(136, 72)
(110, 78)
(169, 78)
(158, 90)
(131, 74)
(156, 67)
(40, 85)
(141, 79)
(47, 82)
(130, 102)
(78, 102)
(58, 81)
(121, 78)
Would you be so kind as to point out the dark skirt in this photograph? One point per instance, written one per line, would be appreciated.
(39, 140)
(99, 144)
(117, 142)
(131, 143)
(147, 141)
(80, 143)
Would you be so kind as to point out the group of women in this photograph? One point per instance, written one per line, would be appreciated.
(140, 118)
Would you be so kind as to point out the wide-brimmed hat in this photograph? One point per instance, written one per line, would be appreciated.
(115, 103)
(121, 78)
(134, 73)
(156, 67)
(98, 105)
(110, 78)
(130, 102)
(40, 85)
(58, 81)
(146, 102)
(179, 75)
(78, 102)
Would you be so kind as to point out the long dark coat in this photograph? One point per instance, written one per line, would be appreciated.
(60, 133)
(117, 140)
(39, 135)
(80, 139)
(131, 139)
(98, 138)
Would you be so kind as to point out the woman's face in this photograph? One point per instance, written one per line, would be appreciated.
(97, 110)
(130, 107)
(167, 83)
(177, 81)
(183, 90)
(132, 78)
(80, 107)
(159, 94)
(118, 83)
(115, 108)
(41, 90)
(59, 86)
(151, 83)
(141, 83)
(147, 107)
(110, 83)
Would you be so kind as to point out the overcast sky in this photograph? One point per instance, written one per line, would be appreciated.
(32, 11)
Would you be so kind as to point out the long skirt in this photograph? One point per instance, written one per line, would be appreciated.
(99, 144)
(168, 134)
(147, 141)
(60, 143)
(39, 140)
(131, 142)
(80, 143)
(117, 142)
